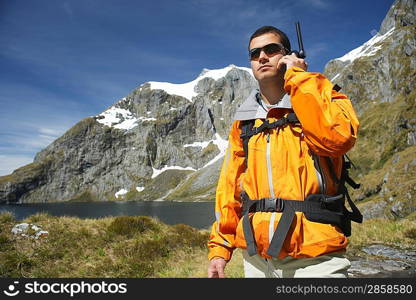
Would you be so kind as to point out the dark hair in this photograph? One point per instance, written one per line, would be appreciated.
(270, 29)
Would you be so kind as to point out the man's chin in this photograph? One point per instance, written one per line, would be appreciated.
(266, 76)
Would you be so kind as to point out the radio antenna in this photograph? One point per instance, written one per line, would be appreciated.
(302, 53)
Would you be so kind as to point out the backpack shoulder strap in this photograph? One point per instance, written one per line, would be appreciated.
(246, 127)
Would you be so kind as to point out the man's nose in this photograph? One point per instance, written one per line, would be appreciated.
(263, 56)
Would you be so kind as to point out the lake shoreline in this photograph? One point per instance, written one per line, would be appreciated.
(196, 214)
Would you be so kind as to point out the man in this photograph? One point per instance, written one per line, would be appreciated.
(273, 197)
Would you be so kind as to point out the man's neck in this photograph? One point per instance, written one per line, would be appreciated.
(271, 93)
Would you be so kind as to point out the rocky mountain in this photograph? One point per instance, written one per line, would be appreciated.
(166, 141)
(162, 141)
(379, 77)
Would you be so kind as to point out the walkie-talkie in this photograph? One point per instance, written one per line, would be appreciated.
(301, 53)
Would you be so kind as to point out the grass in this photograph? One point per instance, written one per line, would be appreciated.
(185, 190)
(85, 196)
(393, 183)
(142, 247)
(382, 134)
(113, 247)
(108, 247)
(398, 234)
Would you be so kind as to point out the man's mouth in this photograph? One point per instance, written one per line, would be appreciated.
(263, 67)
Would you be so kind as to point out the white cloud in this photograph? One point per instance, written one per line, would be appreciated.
(314, 50)
(38, 141)
(322, 4)
(19, 147)
(27, 140)
(235, 21)
(68, 9)
(52, 132)
(30, 120)
(9, 163)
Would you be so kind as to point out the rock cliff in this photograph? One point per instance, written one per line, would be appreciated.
(144, 147)
(379, 77)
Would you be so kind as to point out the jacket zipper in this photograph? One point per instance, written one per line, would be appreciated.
(269, 166)
(270, 181)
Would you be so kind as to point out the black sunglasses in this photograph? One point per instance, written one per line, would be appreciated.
(269, 49)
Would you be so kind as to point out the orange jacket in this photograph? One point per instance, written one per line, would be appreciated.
(285, 162)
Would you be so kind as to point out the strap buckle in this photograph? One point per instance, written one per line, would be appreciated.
(273, 204)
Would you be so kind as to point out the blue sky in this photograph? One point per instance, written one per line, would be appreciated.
(62, 61)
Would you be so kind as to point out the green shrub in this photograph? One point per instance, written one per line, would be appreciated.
(39, 217)
(4, 242)
(187, 236)
(14, 264)
(410, 233)
(7, 217)
(129, 226)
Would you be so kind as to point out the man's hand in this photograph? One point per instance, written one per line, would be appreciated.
(292, 61)
(216, 268)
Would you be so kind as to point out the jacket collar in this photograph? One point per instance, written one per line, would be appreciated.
(253, 108)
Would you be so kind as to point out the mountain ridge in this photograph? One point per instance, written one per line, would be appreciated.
(146, 133)
(154, 144)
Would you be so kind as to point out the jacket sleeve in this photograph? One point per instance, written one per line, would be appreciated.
(328, 119)
(228, 203)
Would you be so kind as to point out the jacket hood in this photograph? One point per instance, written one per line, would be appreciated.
(252, 107)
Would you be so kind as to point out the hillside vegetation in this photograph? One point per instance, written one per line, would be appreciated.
(141, 247)
(385, 160)
(133, 247)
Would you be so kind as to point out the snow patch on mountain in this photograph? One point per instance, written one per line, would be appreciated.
(218, 141)
(121, 193)
(157, 172)
(222, 146)
(120, 118)
(187, 90)
(367, 49)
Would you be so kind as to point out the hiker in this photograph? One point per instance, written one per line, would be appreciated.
(281, 192)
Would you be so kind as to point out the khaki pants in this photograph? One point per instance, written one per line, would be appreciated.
(333, 265)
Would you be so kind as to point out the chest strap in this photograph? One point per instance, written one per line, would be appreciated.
(316, 207)
(247, 130)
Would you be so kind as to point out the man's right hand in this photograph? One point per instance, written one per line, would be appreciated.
(216, 268)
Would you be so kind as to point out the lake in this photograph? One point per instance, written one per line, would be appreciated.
(196, 214)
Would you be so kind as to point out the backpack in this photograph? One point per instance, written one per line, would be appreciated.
(319, 208)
